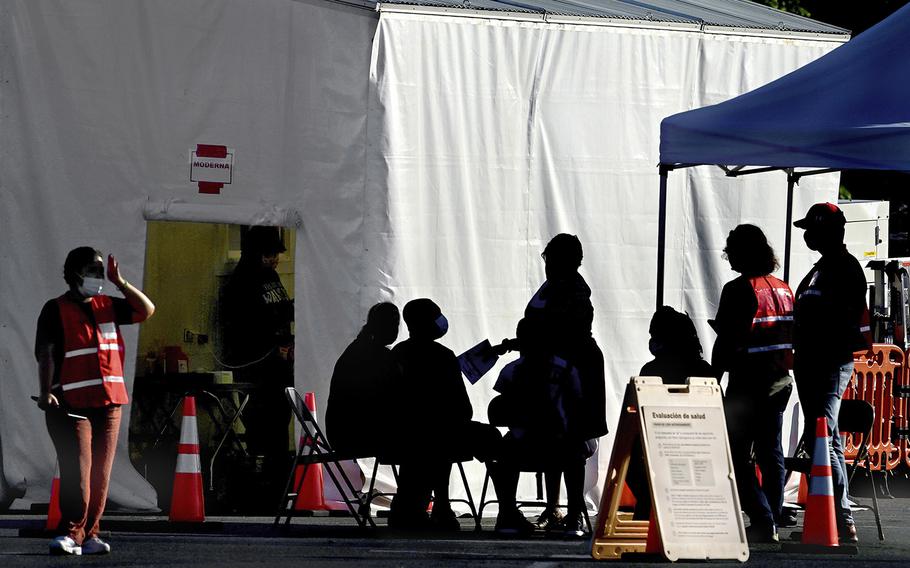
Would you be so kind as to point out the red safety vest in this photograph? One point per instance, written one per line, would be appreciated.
(92, 372)
(772, 325)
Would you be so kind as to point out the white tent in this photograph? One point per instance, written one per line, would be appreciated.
(421, 151)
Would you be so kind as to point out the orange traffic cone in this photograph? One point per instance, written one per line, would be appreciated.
(803, 492)
(653, 544)
(627, 499)
(187, 504)
(819, 526)
(53, 507)
(309, 490)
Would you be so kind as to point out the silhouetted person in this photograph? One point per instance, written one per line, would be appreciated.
(754, 326)
(540, 403)
(677, 356)
(562, 305)
(433, 415)
(831, 321)
(364, 375)
(257, 314)
(676, 349)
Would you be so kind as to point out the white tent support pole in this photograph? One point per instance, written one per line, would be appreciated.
(792, 179)
(661, 232)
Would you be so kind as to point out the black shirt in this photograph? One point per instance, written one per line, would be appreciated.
(830, 303)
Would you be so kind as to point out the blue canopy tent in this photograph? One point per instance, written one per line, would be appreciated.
(845, 110)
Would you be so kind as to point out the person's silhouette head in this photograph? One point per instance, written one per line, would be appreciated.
(562, 256)
(81, 262)
(673, 334)
(382, 323)
(532, 337)
(424, 319)
(824, 224)
(749, 252)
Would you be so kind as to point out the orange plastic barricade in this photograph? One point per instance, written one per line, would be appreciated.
(873, 381)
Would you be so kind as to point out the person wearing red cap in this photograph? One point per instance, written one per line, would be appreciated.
(830, 324)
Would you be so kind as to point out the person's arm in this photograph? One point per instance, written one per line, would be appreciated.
(46, 368)
(733, 323)
(141, 304)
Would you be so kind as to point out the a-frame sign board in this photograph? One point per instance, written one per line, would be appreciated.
(690, 474)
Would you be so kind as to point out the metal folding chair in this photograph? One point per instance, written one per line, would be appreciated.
(316, 450)
(857, 417)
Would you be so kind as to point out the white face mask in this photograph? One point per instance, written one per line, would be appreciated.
(91, 286)
(442, 324)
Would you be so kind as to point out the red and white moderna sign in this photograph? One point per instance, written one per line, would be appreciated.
(211, 166)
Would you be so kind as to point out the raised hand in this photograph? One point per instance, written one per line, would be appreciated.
(113, 271)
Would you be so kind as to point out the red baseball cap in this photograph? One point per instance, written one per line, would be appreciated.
(822, 215)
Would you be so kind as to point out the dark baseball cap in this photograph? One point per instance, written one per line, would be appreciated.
(822, 215)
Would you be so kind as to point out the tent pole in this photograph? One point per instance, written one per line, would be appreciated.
(792, 178)
(662, 232)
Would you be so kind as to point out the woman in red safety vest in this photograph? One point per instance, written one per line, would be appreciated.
(80, 353)
(754, 326)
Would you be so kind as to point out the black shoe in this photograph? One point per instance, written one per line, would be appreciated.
(513, 523)
(847, 533)
(549, 520)
(573, 526)
(762, 534)
(444, 520)
(411, 522)
(789, 517)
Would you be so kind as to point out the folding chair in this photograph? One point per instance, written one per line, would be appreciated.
(857, 417)
(539, 501)
(393, 464)
(316, 450)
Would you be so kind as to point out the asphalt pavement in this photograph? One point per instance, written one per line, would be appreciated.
(336, 541)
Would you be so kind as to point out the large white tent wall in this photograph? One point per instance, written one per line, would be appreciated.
(423, 155)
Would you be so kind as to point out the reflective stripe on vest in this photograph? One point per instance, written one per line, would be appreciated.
(92, 350)
(90, 383)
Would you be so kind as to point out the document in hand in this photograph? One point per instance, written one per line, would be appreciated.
(476, 361)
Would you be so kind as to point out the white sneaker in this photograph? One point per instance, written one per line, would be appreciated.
(65, 545)
(95, 545)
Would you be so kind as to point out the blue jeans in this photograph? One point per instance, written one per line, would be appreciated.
(820, 394)
(754, 422)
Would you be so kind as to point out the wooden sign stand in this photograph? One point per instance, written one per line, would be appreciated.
(696, 511)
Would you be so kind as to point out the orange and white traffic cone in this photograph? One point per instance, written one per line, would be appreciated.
(310, 491)
(187, 504)
(53, 507)
(820, 526)
(803, 492)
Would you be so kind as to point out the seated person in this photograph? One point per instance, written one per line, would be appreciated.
(363, 375)
(676, 349)
(433, 421)
(540, 402)
(677, 356)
